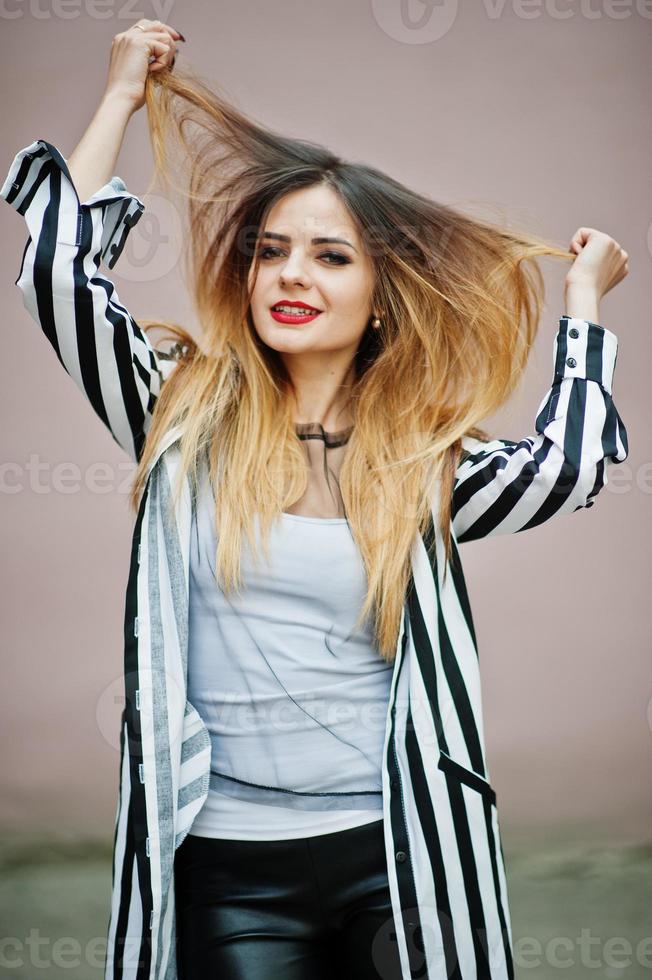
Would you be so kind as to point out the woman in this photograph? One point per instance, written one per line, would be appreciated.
(259, 833)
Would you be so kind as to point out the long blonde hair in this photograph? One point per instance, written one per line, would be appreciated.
(461, 301)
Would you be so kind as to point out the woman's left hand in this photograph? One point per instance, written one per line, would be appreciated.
(600, 265)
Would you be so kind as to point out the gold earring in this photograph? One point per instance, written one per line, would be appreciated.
(376, 323)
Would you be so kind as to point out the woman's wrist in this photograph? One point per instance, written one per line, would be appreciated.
(118, 103)
(582, 301)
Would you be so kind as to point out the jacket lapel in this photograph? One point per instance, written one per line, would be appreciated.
(170, 436)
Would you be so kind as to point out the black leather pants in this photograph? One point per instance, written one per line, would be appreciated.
(312, 908)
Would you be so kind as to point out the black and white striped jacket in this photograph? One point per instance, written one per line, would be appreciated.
(443, 847)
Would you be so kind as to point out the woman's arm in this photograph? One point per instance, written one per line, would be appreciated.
(94, 159)
(94, 336)
(504, 486)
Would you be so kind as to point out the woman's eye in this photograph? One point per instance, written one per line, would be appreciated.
(338, 258)
(341, 259)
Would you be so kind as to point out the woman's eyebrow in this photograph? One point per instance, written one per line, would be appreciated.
(315, 241)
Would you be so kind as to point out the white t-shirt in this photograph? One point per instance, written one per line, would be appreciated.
(294, 699)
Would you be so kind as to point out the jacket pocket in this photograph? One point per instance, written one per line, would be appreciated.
(467, 776)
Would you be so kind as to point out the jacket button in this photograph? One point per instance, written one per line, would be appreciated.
(401, 856)
(573, 332)
(571, 362)
(393, 783)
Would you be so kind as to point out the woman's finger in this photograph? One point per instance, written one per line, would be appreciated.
(158, 26)
(159, 49)
(157, 65)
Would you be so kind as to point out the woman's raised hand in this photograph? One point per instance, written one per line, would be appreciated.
(144, 48)
(601, 262)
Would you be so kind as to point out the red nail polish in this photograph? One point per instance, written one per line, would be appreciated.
(181, 37)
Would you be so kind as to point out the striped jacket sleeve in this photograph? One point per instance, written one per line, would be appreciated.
(94, 337)
(503, 486)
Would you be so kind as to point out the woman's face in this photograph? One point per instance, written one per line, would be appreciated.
(297, 265)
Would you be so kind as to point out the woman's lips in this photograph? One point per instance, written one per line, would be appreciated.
(290, 318)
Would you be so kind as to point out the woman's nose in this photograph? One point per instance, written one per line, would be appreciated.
(294, 271)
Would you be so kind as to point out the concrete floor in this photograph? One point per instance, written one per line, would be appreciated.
(578, 909)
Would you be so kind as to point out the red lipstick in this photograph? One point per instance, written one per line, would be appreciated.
(304, 312)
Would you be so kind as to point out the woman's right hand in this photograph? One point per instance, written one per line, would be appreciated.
(135, 53)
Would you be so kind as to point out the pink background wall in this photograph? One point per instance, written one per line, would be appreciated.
(535, 112)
